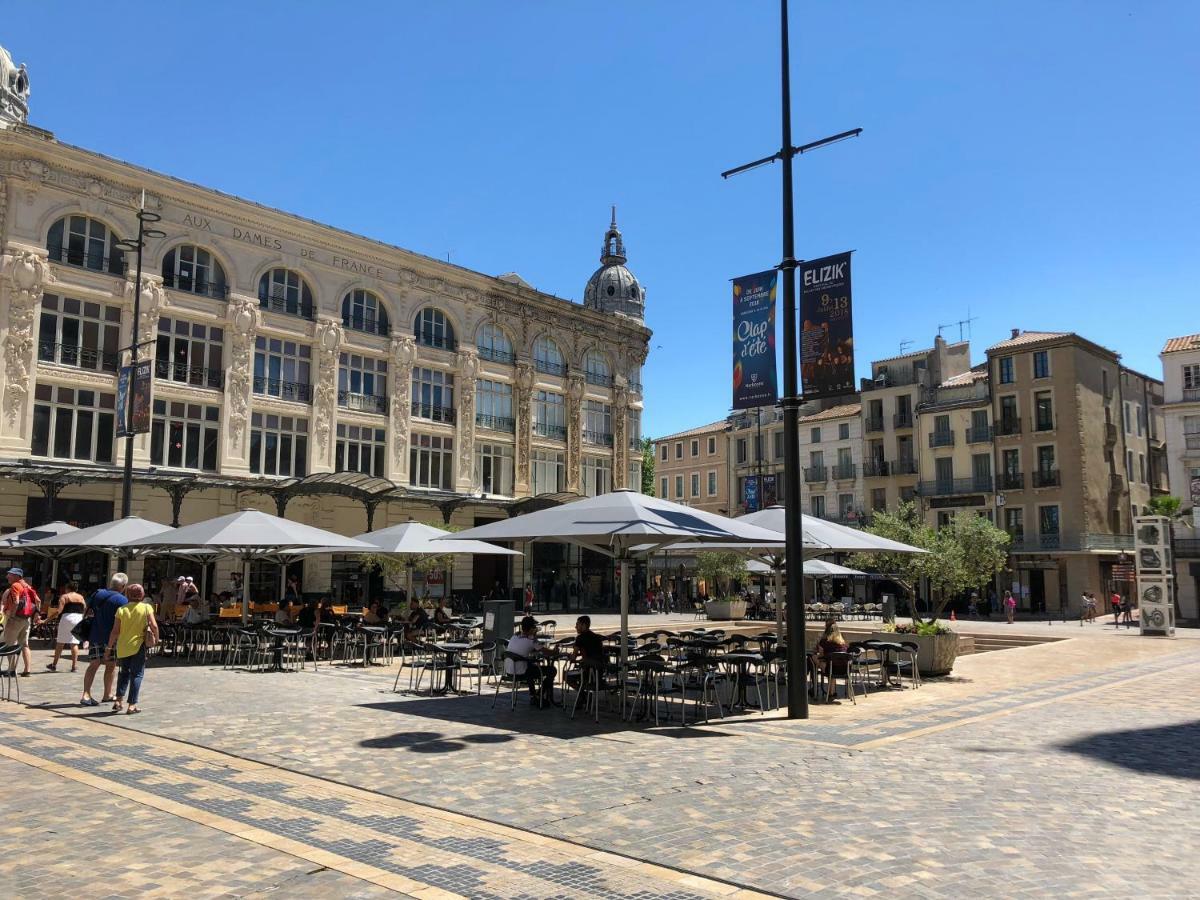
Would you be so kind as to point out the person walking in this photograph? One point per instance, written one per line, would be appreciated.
(20, 605)
(72, 608)
(1127, 611)
(134, 631)
(1090, 604)
(104, 605)
(1115, 603)
(1010, 607)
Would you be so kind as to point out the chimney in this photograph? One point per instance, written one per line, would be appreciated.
(1016, 332)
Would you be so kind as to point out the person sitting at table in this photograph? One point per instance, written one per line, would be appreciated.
(415, 620)
(283, 615)
(307, 617)
(440, 616)
(377, 613)
(540, 678)
(589, 650)
(832, 642)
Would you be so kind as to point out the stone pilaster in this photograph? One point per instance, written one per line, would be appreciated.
(575, 388)
(242, 320)
(26, 273)
(620, 438)
(328, 336)
(467, 372)
(524, 428)
(404, 354)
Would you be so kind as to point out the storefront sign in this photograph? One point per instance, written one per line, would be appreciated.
(827, 330)
(754, 378)
(140, 397)
(769, 492)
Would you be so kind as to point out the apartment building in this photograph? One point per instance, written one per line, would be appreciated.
(955, 448)
(1181, 410)
(692, 467)
(756, 474)
(1070, 426)
(889, 402)
(831, 456)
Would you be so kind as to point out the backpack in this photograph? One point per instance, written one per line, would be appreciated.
(26, 603)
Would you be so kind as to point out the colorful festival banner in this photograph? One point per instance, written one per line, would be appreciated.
(827, 329)
(754, 380)
(751, 493)
(141, 399)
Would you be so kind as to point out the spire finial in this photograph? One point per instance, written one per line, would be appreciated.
(614, 215)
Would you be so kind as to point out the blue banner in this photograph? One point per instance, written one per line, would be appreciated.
(754, 380)
(751, 489)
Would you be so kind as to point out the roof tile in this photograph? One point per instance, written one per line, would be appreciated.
(1177, 344)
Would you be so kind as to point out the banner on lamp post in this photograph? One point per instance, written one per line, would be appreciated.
(137, 393)
(827, 330)
(750, 497)
(754, 378)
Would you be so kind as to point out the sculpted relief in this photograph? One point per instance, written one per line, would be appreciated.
(242, 315)
(28, 274)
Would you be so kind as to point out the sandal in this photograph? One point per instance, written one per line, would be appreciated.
(132, 710)
(53, 667)
(116, 707)
(90, 701)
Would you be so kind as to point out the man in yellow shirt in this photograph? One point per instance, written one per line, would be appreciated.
(135, 622)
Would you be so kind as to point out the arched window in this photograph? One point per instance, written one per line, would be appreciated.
(494, 344)
(547, 357)
(363, 311)
(433, 329)
(80, 241)
(596, 369)
(193, 269)
(284, 291)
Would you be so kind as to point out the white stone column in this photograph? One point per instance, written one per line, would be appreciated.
(404, 354)
(468, 371)
(328, 336)
(242, 319)
(26, 274)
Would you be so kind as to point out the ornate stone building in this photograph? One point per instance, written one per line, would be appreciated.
(351, 382)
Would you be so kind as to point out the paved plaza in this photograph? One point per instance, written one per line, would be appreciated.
(1067, 768)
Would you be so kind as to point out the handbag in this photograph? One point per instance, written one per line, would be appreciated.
(82, 630)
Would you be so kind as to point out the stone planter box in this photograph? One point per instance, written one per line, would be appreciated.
(725, 609)
(936, 654)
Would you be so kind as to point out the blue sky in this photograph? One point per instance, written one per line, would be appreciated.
(1031, 162)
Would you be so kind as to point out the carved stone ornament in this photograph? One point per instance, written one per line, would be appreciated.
(28, 275)
(329, 336)
(620, 445)
(153, 301)
(243, 316)
(524, 424)
(468, 369)
(404, 355)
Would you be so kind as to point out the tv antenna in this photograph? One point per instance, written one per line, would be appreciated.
(960, 323)
(904, 345)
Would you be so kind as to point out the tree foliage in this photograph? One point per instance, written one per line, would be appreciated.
(964, 555)
(394, 568)
(720, 567)
(648, 467)
(1164, 505)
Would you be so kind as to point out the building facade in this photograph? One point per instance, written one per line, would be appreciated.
(831, 454)
(288, 352)
(692, 467)
(955, 448)
(1181, 408)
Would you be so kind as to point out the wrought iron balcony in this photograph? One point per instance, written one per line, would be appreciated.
(598, 379)
(1187, 548)
(941, 438)
(980, 434)
(284, 390)
(816, 474)
(874, 423)
(1191, 395)
(495, 423)
(598, 438)
(1008, 426)
(545, 429)
(279, 303)
(902, 420)
(948, 487)
(1116, 482)
(550, 368)
(434, 413)
(500, 356)
(216, 290)
(844, 472)
(197, 376)
(1043, 423)
(635, 386)
(876, 468)
(1110, 434)
(1042, 478)
(1191, 441)
(904, 466)
(362, 402)
(367, 324)
(1076, 542)
(435, 340)
(1012, 481)
(79, 357)
(96, 262)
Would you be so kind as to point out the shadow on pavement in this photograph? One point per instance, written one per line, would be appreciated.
(1168, 750)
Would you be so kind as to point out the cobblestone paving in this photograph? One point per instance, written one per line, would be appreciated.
(1057, 769)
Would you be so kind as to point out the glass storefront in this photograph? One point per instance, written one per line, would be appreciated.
(566, 578)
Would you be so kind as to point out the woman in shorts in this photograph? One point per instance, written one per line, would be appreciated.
(71, 605)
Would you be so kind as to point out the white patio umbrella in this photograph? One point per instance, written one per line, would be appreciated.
(249, 535)
(622, 524)
(813, 568)
(18, 540)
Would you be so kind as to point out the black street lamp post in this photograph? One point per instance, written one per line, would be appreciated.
(797, 674)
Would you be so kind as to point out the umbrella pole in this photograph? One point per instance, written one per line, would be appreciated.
(54, 572)
(624, 562)
(204, 586)
(245, 590)
(779, 602)
(282, 579)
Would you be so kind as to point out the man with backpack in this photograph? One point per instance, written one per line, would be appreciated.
(20, 604)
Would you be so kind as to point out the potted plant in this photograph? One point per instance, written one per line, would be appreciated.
(937, 644)
(719, 570)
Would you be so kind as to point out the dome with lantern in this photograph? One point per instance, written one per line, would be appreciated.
(613, 288)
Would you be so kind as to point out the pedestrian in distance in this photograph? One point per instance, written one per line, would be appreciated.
(134, 632)
(1115, 603)
(21, 606)
(1010, 607)
(104, 605)
(72, 607)
(1127, 611)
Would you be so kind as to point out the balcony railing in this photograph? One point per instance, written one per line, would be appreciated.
(904, 466)
(1042, 478)
(96, 262)
(1191, 441)
(284, 390)
(495, 423)
(1043, 423)
(941, 439)
(1110, 434)
(500, 356)
(1116, 482)
(366, 324)
(544, 429)
(362, 402)
(844, 472)
(1008, 426)
(979, 434)
(435, 340)
(550, 368)
(945, 487)
(598, 438)
(876, 468)
(80, 357)
(281, 304)
(598, 379)
(197, 376)
(902, 420)
(216, 290)
(874, 423)
(1187, 548)
(433, 413)
(1012, 481)
(1042, 543)
(816, 474)
(1191, 395)
(635, 386)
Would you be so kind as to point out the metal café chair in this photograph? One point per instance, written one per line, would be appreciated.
(512, 678)
(8, 663)
(479, 659)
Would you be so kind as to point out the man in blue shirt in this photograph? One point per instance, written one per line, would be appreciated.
(103, 606)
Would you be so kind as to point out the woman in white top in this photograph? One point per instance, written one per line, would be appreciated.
(71, 608)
